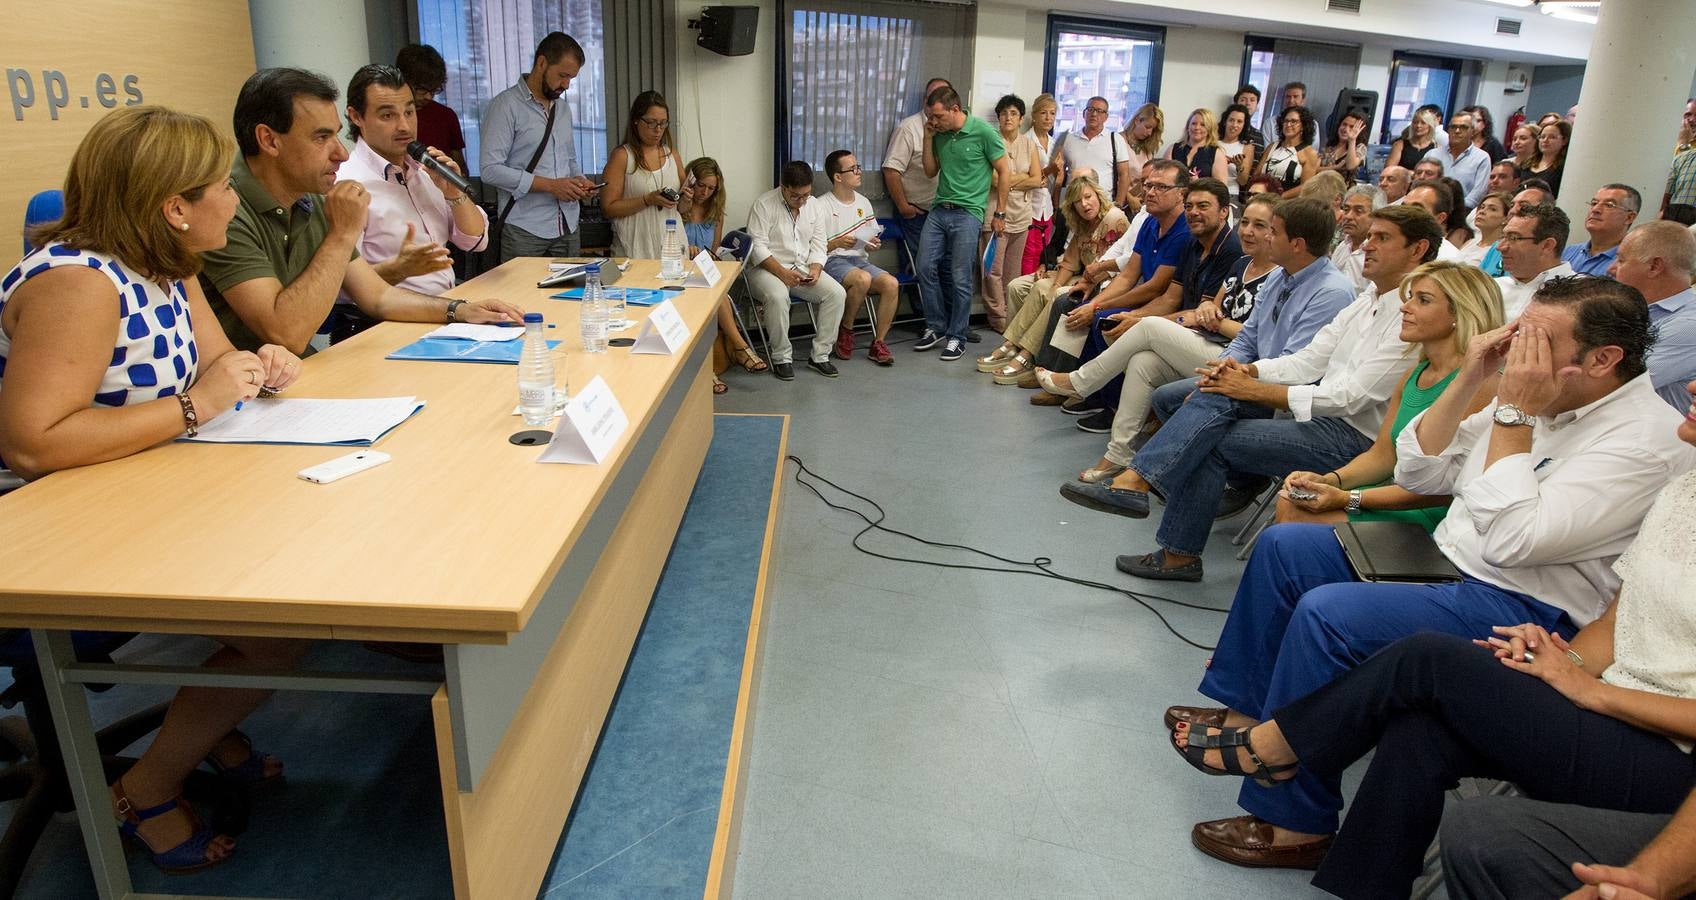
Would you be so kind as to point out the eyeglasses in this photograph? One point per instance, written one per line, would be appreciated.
(1507, 238)
(1097, 110)
(1607, 204)
(1155, 187)
(661, 124)
(854, 169)
(1460, 127)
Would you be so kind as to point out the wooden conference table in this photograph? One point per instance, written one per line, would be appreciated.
(534, 577)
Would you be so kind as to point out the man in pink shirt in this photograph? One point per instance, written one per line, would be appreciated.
(414, 212)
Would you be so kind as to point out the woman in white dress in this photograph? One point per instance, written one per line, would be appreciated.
(1041, 135)
(638, 174)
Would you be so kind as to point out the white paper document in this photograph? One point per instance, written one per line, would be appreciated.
(590, 425)
(465, 331)
(664, 331)
(1068, 341)
(302, 421)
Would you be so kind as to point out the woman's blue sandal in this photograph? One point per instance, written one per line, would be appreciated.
(188, 856)
(1226, 742)
(250, 771)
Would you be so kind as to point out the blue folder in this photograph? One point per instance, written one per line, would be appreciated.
(632, 296)
(456, 350)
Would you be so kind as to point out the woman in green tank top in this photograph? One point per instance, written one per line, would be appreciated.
(1444, 305)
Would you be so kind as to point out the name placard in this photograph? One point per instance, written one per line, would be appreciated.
(708, 267)
(589, 426)
(663, 332)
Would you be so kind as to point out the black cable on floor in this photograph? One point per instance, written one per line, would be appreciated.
(1040, 566)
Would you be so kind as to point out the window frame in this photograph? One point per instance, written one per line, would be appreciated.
(1114, 28)
(1453, 64)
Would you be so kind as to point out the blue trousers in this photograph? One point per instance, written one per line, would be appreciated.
(1207, 437)
(947, 254)
(1300, 619)
(912, 232)
(1106, 396)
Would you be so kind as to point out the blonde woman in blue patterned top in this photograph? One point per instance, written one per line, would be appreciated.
(108, 348)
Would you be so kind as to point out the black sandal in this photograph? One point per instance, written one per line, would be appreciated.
(1226, 742)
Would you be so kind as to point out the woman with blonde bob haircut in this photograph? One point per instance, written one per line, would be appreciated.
(1199, 150)
(108, 348)
(1444, 306)
(1093, 223)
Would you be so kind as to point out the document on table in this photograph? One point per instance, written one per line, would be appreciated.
(465, 331)
(303, 421)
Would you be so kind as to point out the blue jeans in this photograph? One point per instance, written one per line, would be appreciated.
(1207, 437)
(1300, 619)
(951, 240)
(912, 231)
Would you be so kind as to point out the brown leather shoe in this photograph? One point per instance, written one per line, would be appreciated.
(1247, 841)
(1044, 398)
(1206, 717)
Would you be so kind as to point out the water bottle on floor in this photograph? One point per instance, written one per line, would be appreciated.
(535, 374)
(671, 249)
(594, 313)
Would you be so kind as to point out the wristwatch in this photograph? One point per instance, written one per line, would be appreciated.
(453, 309)
(1354, 503)
(999, 214)
(1508, 414)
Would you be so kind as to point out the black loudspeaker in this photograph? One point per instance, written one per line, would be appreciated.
(1351, 100)
(728, 30)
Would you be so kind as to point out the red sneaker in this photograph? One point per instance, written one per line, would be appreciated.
(844, 344)
(880, 354)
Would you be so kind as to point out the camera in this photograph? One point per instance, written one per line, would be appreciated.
(670, 195)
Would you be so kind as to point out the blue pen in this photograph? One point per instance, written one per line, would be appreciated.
(238, 406)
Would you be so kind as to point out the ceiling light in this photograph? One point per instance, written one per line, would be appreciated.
(1520, 3)
(1571, 14)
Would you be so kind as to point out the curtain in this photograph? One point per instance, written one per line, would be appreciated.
(849, 71)
(639, 57)
(1325, 68)
(488, 44)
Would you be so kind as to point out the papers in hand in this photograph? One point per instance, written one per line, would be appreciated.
(1068, 341)
(301, 421)
(464, 331)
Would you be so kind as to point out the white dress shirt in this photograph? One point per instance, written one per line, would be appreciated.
(401, 197)
(795, 239)
(1516, 294)
(1351, 261)
(1447, 252)
(1351, 367)
(1550, 523)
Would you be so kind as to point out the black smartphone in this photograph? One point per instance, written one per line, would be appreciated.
(622, 342)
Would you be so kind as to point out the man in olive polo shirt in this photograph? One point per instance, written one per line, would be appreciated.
(962, 152)
(291, 246)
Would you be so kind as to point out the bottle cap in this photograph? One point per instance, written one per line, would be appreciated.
(532, 318)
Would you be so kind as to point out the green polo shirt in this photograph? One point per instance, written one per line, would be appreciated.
(966, 160)
(263, 241)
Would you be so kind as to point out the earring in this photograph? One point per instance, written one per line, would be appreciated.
(182, 226)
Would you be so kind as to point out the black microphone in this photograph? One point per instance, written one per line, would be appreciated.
(421, 153)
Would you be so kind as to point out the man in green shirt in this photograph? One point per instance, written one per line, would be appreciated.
(965, 155)
(291, 247)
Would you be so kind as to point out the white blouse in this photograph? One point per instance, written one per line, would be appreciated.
(1655, 622)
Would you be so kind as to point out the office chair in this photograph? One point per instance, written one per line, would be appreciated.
(31, 768)
(45, 206)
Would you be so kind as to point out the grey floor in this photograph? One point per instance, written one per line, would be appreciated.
(933, 733)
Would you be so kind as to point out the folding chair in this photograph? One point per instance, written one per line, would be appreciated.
(736, 245)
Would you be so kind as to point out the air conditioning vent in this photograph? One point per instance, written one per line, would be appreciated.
(1348, 6)
(1507, 26)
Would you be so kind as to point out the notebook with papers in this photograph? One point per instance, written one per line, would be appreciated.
(354, 423)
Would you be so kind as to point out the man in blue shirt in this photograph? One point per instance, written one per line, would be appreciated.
(1297, 301)
(543, 215)
(1612, 211)
(1659, 260)
(1143, 279)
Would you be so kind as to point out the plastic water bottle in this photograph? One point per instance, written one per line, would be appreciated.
(594, 313)
(535, 374)
(671, 250)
